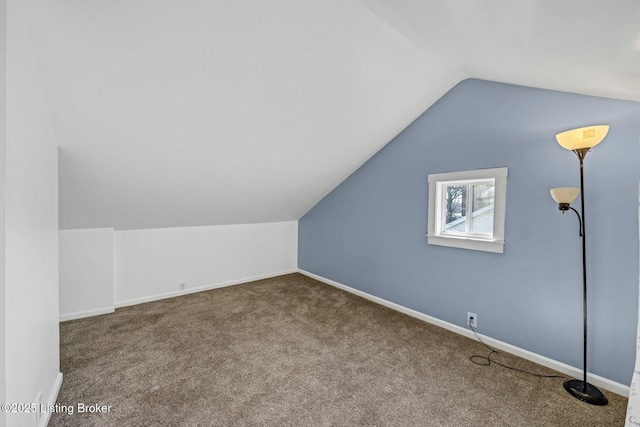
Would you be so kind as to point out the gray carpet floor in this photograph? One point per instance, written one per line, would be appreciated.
(291, 351)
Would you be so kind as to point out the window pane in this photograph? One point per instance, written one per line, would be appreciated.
(467, 208)
(482, 200)
(455, 208)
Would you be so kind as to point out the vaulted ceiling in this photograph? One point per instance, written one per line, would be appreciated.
(208, 112)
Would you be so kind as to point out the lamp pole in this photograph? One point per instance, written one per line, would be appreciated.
(581, 155)
(582, 389)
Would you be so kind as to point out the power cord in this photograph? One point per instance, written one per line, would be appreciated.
(487, 360)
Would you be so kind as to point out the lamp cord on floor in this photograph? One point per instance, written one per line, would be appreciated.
(487, 360)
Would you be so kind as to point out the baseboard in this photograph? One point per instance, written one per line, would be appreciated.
(51, 401)
(87, 313)
(574, 372)
(172, 294)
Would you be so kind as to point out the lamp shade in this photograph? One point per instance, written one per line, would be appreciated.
(564, 194)
(586, 137)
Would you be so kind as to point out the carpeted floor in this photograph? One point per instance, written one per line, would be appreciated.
(291, 351)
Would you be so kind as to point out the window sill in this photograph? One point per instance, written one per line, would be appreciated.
(495, 246)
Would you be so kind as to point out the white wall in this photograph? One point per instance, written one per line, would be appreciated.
(31, 227)
(149, 264)
(3, 133)
(86, 272)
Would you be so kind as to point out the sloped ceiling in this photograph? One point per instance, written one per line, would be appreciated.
(590, 47)
(208, 112)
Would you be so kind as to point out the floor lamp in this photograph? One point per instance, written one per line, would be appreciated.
(580, 141)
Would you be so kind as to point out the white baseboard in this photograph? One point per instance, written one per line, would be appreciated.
(51, 401)
(574, 372)
(172, 294)
(87, 313)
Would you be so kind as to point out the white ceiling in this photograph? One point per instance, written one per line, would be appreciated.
(583, 46)
(207, 112)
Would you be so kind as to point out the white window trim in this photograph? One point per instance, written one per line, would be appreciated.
(496, 244)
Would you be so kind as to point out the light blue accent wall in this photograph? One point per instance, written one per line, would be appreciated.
(369, 232)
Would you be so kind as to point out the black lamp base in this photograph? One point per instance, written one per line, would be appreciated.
(591, 395)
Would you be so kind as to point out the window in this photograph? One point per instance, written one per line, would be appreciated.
(466, 209)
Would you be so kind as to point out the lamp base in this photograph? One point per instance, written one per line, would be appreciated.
(591, 395)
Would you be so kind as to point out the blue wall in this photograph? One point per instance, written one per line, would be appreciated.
(369, 233)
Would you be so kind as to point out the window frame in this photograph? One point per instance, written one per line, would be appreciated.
(435, 226)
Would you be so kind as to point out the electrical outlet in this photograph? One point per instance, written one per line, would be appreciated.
(472, 320)
(38, 406)
(182, 286)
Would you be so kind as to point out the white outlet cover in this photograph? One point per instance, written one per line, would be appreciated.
(473, 323)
